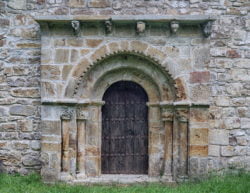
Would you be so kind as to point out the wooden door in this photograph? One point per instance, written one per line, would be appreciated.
(125, 129)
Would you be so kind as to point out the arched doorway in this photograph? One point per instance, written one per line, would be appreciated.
(124, 129)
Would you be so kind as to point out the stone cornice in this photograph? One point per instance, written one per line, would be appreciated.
(185, 19)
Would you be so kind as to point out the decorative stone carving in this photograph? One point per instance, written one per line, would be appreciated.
(82, 115)
(67, 114)
(207, 28)
(182, 114)
(167, 115)
(140, 27)
(108, 26)
(174, 25)
(76, 27)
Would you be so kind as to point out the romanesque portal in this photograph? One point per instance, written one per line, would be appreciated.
(120, 104)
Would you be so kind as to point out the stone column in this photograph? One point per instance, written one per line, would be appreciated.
(167, 118)
(180, 143)
(82, 116)
(65, 119)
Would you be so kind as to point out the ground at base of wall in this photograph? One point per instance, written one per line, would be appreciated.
(230, 183)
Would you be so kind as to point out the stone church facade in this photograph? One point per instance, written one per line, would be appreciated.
(59, 60)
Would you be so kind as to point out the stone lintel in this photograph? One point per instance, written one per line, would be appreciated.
(182, 19)
(73, 102)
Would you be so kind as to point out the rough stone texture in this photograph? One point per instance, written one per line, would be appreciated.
(221, 65)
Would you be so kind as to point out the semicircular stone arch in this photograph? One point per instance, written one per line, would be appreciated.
(130, 68)
(140, 49)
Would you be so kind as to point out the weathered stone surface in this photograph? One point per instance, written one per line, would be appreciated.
(17, 4)
(198, 150)
(92, 43)
(26, 93)
(199, 77)
(24, 110)
(76, 3)
(30, 161)
(199, 136)
(218, 137)
(51, 127)
(62, 56)
(214, 150)
(227, 151)
(35, 145)
(50, 72)
(99, 3)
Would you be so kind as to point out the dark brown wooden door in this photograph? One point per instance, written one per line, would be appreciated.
(125, 129)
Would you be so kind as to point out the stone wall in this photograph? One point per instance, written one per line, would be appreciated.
(227, 68)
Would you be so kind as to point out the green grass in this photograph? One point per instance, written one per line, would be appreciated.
(230, 183)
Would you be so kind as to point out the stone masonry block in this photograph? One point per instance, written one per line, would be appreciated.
(24, 110)
(51, 127)
(17, 4)
(198, 136)
(245, 123)
(62, 56)
(199, 77)
(99, 3)
(218, 137)
(199, 150)
(214, 150)
(93, 43)
(227, 151)
(76, 3)
(198, 114)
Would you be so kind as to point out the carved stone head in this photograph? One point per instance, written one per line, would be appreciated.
(207, 29)
(174, 25)
(140, 27)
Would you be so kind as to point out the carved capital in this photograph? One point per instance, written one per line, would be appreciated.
(207, 28)
(82, 115)
(108, 26)
(182, 114)
(167, 115)
(67, 114)
(76, 27)
(174, 25)
(140, 27)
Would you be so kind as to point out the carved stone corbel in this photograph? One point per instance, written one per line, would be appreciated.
(140, 27)
(174, 26)
(108, 26)
(207, 28)
(76, 27)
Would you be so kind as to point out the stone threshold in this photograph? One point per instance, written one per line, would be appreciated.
(188, 19)
(122, 179)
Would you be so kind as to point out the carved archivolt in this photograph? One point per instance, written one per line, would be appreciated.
(136, 48)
